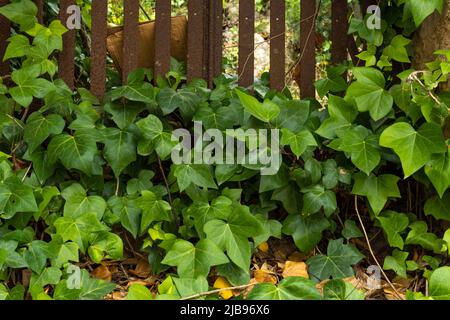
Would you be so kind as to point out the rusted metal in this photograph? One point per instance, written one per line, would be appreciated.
(339, 28)
(307, 48)
(196, 45)
(214, 40)
(40, 13)
(162, 37)
(98, 47)
(246, 42)
(131, 39)
(66, 66)
(5, 32)
(277, 44)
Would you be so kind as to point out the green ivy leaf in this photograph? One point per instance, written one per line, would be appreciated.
(265, 111)
(36, 255)
(50, 275)
(438, 171)
(341, 290)
(419, 236)
(194, 261)
(18, 47)
(139, 292)
(62, 252)
(170, 100)
(129, 213)
(438, 208)
(363, 148)
(337, 263)
(351, 230)
(421, 9)
(197, 174)
(292, 288)
(232, 235)
(414, 148)
(105, 245)
(318, 198)
(78, 203)
(341, 115)
(16, 197)
(153, 209)
(393, 223)
(123, 114)
(293, 114)
(397, 49)
(298, 142)
(221, 118)
(377, 189)
(74, 151)
(439, 286)
(138, 91)
(120, 148)
(369, 93)
(397, 263)
(22, 12)
(306, 231)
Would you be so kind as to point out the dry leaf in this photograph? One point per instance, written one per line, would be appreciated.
(264, 247)
(263, 275)
(142, 270)
(102, 272)
(222, 283)
(295, 269)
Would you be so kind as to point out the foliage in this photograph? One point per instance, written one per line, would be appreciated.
(71, 176)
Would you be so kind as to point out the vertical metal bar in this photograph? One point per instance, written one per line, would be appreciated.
(277, 44)
(40, 14)
(162, 37)
(5, 32)
(339, 28)
(215, 40)
(307, 48)
(66, 59)
(98, 47)
(196, 45)
(246, 42)
(131, 37)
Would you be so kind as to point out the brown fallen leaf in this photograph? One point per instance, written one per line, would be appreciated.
(102, 272)
(142, 270)
(264, 247)
(262, 275)
(295, 269)
(297, 257)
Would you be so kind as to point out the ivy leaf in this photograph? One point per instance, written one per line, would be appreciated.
(187, 287)
(22, 12)
(419, 236)
(351, 230)
(438, 208)
(123, 114)
(105, 245)
(265, 111)
(440, 284)
(152, 129)
(94, 289)
(233, 235)
(78, 203)
(74, 151)
(318, 198)
(369, 93)
(120, 148)
(170, 100)
(438, 171)
(220, 119)
(18, 47)
(293, 114)
(341, 116)
(129, 213)
(397, 49)
(9, 257)
(272, 228)
(363, 148)
(334, 82)
(377, 189)
(397, 263)
(393, 223)
(80, 229)
(306, 231)
(16, 197)
(135, 91)
(421, 9)
(138, 292)
(202, 212)
(198, 174)
(62, 252)
(36, 255)
(414, 148)
(50, 275)
(337, 263)
(341, 290)
(194, 261)
(292, 288)
(298, 142)
(152, 209)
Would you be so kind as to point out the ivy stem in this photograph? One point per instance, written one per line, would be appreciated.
(371, 251)
(117, 186)
(202, 294)
(166, 183)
